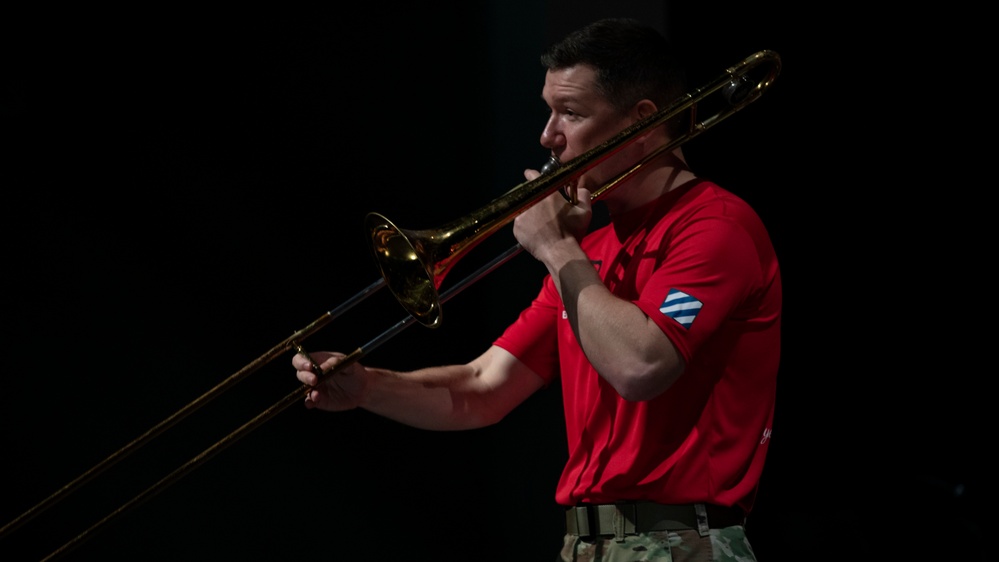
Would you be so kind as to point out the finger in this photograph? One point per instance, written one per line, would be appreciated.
(332, 360)
(307, 378)
(303, 360)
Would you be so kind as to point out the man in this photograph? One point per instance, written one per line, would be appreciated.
(663, 326)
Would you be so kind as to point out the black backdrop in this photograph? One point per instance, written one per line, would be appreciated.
(185, 189)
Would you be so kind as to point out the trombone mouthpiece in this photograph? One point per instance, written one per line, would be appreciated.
(568, 192)
(551, 165)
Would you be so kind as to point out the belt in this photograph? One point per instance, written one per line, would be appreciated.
(632, 518)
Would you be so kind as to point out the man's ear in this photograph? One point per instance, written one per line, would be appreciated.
(643, 109)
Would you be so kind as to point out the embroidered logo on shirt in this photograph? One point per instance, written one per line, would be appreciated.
(681, 307)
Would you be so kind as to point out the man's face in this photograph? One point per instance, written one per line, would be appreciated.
(581, 119)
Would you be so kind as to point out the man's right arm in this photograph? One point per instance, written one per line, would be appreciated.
(451, 397)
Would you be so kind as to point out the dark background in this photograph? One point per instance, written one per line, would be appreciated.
(186, 189)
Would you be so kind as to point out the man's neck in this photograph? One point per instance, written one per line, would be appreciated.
(656, 178)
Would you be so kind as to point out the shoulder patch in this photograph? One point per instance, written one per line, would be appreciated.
(680, 307)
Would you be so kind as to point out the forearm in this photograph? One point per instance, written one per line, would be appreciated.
(624, 346)
(432, 398)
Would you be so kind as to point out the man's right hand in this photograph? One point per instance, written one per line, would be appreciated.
(336, 391)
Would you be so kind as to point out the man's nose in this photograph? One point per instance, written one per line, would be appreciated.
(551, 136)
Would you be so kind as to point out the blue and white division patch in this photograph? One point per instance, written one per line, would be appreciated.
(680, 307)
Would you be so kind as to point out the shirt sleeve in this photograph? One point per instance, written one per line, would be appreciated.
(532, 338)
(709, 267)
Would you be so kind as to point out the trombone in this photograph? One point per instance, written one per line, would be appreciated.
(414, 263)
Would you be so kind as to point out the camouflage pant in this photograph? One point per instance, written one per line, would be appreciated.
(721, 545)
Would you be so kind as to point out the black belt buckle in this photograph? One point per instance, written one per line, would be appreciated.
(590, 521)
(587, 521)
(583, 521)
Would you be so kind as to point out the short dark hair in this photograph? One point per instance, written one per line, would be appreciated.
(633, 61)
